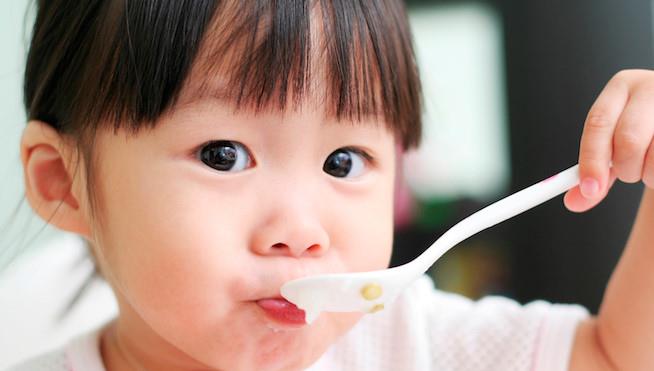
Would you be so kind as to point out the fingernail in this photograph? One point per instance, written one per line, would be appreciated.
(589, 187)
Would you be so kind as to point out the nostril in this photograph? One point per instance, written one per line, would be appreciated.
(314, 248)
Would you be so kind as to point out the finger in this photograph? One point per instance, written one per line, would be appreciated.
(648, 167)
(576, 202)
(633, 135)
(596, 148)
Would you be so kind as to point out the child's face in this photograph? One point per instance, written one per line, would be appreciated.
(190, 249)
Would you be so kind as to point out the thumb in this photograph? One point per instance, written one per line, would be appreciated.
(594, 179)
(576, 201)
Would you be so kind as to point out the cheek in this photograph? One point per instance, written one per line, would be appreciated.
(365, 236)
(372, 245)
(172, 254)
(179, 265)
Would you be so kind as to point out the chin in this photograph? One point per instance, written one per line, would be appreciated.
(274, 361)
(288, 348)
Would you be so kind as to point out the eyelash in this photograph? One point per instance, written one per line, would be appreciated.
(371, 160)
(359, 151)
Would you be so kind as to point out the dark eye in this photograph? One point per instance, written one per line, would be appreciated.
(225, 155)
(344, 163)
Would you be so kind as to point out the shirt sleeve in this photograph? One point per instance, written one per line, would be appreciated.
(497, 333)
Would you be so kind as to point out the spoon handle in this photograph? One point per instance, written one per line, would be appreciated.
(497, 212)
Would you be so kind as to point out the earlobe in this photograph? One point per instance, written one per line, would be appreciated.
(49, 174)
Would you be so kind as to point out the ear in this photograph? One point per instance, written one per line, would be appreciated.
(51, 186)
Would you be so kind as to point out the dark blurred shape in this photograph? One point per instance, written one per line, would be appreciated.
(559, 56)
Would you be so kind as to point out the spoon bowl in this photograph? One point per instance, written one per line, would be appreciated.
(371, 291)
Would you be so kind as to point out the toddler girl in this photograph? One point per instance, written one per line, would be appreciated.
(210, 151)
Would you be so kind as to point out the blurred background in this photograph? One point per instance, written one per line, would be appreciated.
(507, 87)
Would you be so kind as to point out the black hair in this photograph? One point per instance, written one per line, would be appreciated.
(124, 63)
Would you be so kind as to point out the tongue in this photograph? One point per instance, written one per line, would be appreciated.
(282, 310)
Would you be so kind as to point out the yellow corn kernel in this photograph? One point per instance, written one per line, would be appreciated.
(371, 291)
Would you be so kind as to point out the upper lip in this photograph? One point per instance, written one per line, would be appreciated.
(276, 297)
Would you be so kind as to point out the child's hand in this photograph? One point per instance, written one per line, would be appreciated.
(618, 130)
(617, 144)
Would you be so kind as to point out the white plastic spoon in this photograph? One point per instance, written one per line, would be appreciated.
(370, 291)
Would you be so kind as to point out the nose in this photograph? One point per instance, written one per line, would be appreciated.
(291, 230)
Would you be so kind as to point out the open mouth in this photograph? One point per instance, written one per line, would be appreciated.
(282, 311)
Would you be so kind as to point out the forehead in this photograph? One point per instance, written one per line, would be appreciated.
(280, 56)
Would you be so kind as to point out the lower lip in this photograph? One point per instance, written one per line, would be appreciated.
(282, 311)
